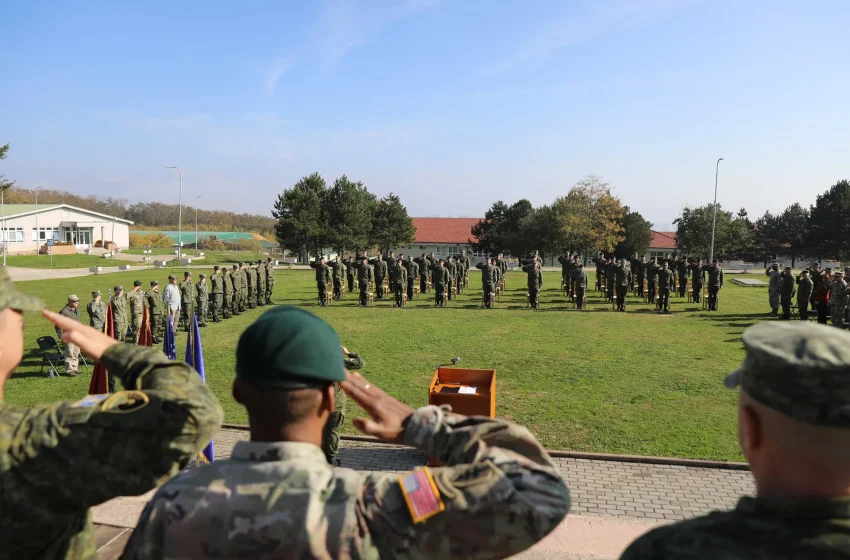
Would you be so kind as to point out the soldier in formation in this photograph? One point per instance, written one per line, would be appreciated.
(787, 290)
(172, 300)
(187, 300)
(488, 281)
(381, 272)
(535, 282)
(270, 279)
(323, 278)
(666, 282)
(118, 303)
(496, 501)
(337, 276)
(805, 289)
(156, 312)
(424, 264)
(774, 287)
(697, 280)
(217, 282)
(439, 280)
(96, 310)
(412, 275)
(652, 280)
(715, 283)
(262, 278)
(364, 278)
(71, 352)
(136, 307)
(579, 280)
(683, 273)
(794, 430)
(399, 287)
(451, 273)
(203, 300)
(837, 298)
(622, 281)
(236, 298)
(251, 286)
(227, 292)
(330, 435)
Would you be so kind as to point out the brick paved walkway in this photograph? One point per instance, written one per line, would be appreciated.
(636, 490)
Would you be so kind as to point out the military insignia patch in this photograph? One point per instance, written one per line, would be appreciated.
(89, 401)
(421, 494)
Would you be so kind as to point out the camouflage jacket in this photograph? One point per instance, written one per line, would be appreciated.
(97, 314)
(136, 301)
(59, 459)
(412, 270)
(156, 305)
(500, 489)
(757, 529)
(187, 292)
(119, 308)
(579, 278)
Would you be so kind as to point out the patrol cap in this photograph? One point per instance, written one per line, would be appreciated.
(801, 370)
(202, 275)
(137, 283)
(11, 298)
(215, 268)
(118, 288)
(187, 274)
(289, 348)
(837, 273)
(73, 297)
(154, 283)
(96, 293)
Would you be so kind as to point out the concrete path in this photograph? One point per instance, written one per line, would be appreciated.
(613, 502)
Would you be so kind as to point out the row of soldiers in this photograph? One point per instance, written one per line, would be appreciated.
(824, 291)
(447, 277)
(228, 293)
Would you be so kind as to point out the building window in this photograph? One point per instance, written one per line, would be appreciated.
(78, 236)
(44, 234)
(13, 235)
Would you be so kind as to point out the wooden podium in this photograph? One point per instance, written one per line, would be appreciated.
(446, 382)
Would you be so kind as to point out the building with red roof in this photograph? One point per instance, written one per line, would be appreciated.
(662, 243)
(442, 236)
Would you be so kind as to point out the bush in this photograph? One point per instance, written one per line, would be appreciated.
(252, 245)
(155, 240)
(211, 244)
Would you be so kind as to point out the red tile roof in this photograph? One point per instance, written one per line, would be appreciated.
(663, 240)
(444, 230)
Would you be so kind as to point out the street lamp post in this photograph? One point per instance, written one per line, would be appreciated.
(3, 212)
(179, 214)
(196, 221)
(714, 217)
(37, 232)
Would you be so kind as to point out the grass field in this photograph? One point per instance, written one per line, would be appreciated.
(212, 257)
(635, 382)
(59, 261)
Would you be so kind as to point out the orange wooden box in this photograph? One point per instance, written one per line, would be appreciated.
(482, 403)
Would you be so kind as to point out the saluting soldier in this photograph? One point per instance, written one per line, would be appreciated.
(400, 282)
(261, 284)
(337, 276)
(350, 271)
(787, 291)
(774, 287)
(600, 262)
(381, 272)
(488, 280)
(666, 282)
(639, 269)
(330, 435)
(203, 300)
(423, 264)
(129, 441)
(136, 307)
(439, 279)
(621, 284)
(323, 278)
(236, 280)
(697, 280)
(805, 288)
(683, 272)
(251, 285)
(227, 292)
(97, 312)
(156, 312)
(451, 269)
(535, 281)
(270, 272)
(715, 282)
(580, 285)
(118, 302)
(498, 493)
(652, 270)
(364, 277)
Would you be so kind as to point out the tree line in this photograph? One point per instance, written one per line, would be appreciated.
(588, 219)
(310, 217)
(145, 215)
(817, 232)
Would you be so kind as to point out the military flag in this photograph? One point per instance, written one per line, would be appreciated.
(100, 377)
(145, 336)
(195, 358)
(168, 347)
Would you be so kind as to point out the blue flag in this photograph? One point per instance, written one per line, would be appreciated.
(168, 347)
(195, 358)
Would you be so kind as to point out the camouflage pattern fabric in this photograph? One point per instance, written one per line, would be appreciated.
(97, 314)
(119, 316)
(501, 491)
(330, 437)
(59, 459)
(757, 529)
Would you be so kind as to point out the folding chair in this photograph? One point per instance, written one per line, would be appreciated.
(50, 353)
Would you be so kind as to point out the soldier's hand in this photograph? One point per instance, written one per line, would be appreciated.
(91, 341)
(388, 414)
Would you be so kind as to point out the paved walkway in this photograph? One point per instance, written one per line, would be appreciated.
(613, 502)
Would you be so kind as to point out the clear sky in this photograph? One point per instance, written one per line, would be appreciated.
(451, 104)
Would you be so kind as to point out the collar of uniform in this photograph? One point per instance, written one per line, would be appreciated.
(836, 508)
(276, 451)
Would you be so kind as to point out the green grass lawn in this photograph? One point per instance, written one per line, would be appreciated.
(212, 257)
(635, 382)
(59, 261)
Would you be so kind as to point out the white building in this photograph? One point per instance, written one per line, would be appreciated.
(443, 237)
(62, 223)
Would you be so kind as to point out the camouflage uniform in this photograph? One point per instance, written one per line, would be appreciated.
(399, 286)
(837, 298)
(439, 276)
(799, 371)
(580, 283)
(156, 313)
(535, 281)
(804, 295)
(97, 314)
(203, 301)
(227, 293)
(381, 272)
(323, 278)
(502, 493)
(330, 436)
(270, 271)
(261, 284)
(412, 275)
(136, 304)
(119, 316)
(773, 289)
(251, 281)
(59, 459)
(187, 302)
(217, 295)
(236, 278)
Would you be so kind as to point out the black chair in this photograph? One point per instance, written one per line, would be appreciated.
(50, 353)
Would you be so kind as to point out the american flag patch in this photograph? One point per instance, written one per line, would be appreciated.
(421, 494)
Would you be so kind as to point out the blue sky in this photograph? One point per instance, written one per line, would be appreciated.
(450, 104)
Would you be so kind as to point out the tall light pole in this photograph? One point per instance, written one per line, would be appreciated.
(37, 232)
(179, 214)
(3, 212)
(714, 217)
(196, 221)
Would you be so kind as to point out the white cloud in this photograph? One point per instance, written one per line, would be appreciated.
(275, 72)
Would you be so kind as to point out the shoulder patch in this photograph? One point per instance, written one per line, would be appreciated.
(89, 401)
(125, 401)
(421, 494)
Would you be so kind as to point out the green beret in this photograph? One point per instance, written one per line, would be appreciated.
(801, 370)
(289, 348)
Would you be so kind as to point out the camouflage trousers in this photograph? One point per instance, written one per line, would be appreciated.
(202, 310)
(157, 325)
(251, 302)
(186, 313)
(837, 314)
(136, 328)
(269, 289)
(773, 299)
(120, 330)
(330, 435)
(261, 295)
(216, 306)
